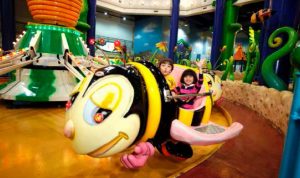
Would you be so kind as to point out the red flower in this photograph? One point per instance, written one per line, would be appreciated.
(102, 41)
(92, 41)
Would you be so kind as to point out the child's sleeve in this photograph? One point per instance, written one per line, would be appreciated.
(200, 81)
(177, 90)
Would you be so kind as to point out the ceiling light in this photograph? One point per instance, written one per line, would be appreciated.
(185, 25)
(105, 13)
(124, 18)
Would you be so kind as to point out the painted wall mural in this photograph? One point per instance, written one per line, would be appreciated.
(150, 30)
(147, 32)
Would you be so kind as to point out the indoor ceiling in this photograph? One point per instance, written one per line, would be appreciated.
(205, 21)
(159, 7)
(202, 21)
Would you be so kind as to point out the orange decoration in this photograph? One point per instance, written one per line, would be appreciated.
(57, 12)
(53, 13)
(239, 54)
(75, 6)
(72, 10)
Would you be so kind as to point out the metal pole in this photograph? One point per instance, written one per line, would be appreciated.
(290, 164)
(173, 28)
(91, 33)
(217, 31)
(8, 24)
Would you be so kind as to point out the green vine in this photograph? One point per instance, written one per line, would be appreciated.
(229, 69)
(268, 73)
(253, 56)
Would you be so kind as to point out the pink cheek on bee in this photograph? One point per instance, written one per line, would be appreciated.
(69, 131)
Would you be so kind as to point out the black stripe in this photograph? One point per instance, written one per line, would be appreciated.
(168, 110)
(140, 101)
(197, 117)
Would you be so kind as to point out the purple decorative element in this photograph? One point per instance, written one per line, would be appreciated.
(217, 31)
(8, 25)
(173, 28)
(91, 20)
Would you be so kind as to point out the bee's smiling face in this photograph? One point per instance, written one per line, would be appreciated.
(96, 122)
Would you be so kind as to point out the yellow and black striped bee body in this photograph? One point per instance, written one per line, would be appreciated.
(169, 111)
(118, 107)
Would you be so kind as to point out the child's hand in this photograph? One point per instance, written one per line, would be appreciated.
(199, 65)
(174, 94)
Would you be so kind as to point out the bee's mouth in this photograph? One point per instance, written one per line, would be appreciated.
(103, 149)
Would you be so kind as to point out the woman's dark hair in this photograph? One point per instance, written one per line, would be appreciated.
(189, 72)
(166, 60)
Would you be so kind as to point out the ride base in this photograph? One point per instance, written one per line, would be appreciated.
(40, 73)
(39, 85)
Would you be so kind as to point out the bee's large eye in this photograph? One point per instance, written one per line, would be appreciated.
(102, 102)
(101, 114)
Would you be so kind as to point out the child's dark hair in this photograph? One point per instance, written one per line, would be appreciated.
(166, 60)
(188, 72)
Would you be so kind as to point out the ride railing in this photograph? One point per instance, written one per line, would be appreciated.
(76, 65)
(16, 60)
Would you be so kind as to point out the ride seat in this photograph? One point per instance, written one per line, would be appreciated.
(199, 102)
